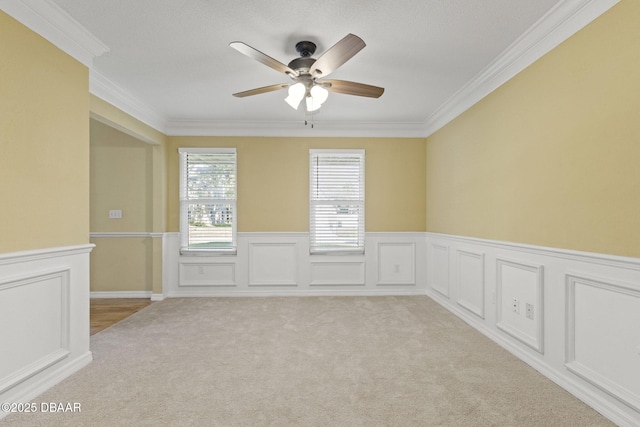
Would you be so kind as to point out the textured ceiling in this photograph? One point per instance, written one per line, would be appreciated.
(174, 55)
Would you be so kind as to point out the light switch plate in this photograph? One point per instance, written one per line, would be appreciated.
(115, 214)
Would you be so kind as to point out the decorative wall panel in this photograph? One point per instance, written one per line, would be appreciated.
(34, 324)
(337, 273)
(44, 319)
(520, 303)
(273, 264)
(207, 273)
(439, 268)
(603, 335)
(396, 263)
(470, 277)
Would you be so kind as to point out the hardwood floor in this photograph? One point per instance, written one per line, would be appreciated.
(105, 312)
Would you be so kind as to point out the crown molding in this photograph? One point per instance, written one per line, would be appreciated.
(561, 22)
(115, 95)
(54, 24)
(295, 128)
(558, 24)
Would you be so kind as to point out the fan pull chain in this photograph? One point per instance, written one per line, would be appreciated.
(306, 120)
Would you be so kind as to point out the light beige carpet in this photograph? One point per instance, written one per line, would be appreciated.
(309, 361)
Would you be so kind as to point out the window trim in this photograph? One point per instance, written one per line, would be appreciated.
(184, 235)
(338, 251)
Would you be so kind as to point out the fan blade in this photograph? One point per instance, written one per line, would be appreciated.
(260, 90)
(337, 55)
(353, 88)
(261, 57)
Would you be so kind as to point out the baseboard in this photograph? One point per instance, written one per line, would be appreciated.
(45, 382)
(121, 294)
(127, 294)
(157, 297)
(297, 293)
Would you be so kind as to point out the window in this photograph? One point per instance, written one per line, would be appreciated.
(336, 204)
(208, 199)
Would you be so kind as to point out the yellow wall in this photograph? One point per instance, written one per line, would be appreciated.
(44, 143)
(123, 264)
(552, 157)
(121, 178)
(273, 181)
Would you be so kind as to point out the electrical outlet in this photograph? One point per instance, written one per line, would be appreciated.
(529, 313)
(515, 306)
(396, 268)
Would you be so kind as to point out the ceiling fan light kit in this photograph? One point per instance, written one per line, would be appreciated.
(317, 96)
(296, 93)
(307, 73)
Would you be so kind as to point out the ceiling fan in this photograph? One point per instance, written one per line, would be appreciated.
(308, 73)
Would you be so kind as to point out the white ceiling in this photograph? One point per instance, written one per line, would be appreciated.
(169, 62)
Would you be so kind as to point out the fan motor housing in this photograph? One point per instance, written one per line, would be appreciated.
(302, 64)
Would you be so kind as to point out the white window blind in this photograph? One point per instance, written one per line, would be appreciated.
(208, 199)
(336, 204)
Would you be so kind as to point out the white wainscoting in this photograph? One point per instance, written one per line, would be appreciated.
(519, 290)
(327, 271)
(603, 325)
(470, 281)
(44, 319)
(582, 329)
(439, 271)
(273, 264)
(396, 263)
(216, 272)
(269, 264)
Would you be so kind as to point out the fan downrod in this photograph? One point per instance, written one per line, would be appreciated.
(305, 48)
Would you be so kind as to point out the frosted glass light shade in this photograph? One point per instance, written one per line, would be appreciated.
(296, 93)
(317, 95)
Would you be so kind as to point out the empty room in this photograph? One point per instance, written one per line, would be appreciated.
(411, 213)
